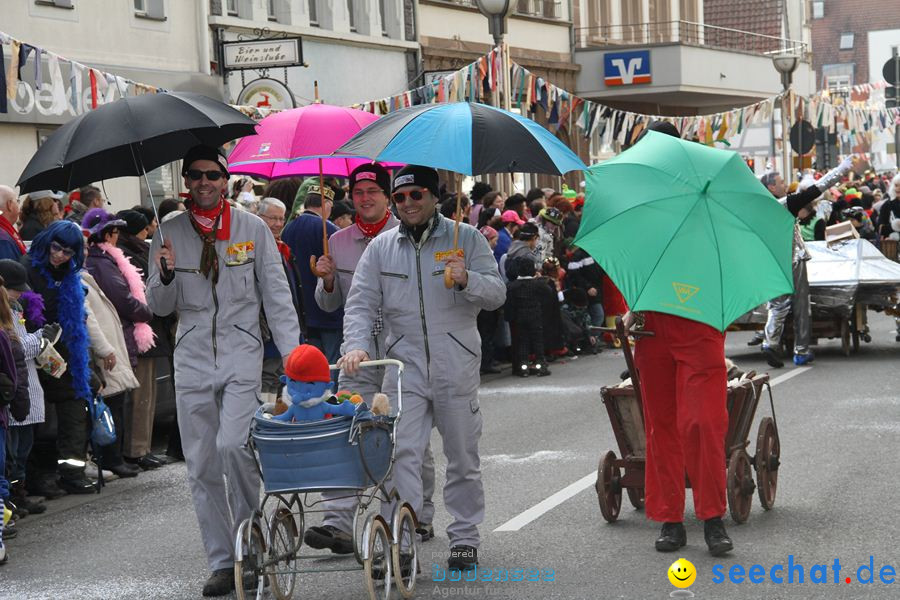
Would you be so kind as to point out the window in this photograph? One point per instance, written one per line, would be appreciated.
(150, 9)
(351, 14)
(632, 18)
(57, 3)
(847, 40)
(382, 12)
(549, 9)
(660, 21)
(273, 16)
(313, 13)
(818, 9)
(231, 7)
(599, 19)
(139, 7)
(689, 10)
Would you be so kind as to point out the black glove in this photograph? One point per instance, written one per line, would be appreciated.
(51, 332)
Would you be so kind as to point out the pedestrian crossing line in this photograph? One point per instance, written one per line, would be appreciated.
(548, 504)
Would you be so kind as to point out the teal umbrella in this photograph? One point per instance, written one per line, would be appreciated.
(687, 230)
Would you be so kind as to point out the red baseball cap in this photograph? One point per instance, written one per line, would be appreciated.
(511, 216)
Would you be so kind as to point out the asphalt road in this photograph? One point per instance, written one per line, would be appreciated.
(839, 425)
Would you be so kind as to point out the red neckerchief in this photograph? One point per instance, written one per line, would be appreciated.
(6, 226)
(284, 250)
(205, 218)
(370, 230)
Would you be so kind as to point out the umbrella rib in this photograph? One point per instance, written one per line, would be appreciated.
(719, 261)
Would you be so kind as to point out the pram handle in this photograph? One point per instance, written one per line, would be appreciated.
(633, 332)
(385, 362)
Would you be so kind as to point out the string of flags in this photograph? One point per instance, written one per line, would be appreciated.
(104, 87)
(476, 82)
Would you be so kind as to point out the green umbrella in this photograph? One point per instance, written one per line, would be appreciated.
(687, 230)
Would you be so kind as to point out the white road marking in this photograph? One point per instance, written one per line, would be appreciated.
(544, 506)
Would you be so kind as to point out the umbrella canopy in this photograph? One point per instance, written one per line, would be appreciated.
(687, 230)
(465, 137)
(130, 136)
(292, 143)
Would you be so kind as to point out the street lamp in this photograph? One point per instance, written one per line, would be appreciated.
(786, 63)
(496, 11)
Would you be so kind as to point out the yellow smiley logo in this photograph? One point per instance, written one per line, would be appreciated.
(682, 573)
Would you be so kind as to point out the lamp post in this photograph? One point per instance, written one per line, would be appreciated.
(497, 11)
(786, 63)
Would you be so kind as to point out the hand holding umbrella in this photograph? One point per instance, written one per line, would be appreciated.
(448, 276)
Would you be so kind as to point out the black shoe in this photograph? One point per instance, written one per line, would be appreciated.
(490, 371)
(462, 558)
(539, 370)
(46, 487)
(146, 462)
(426, 530)
(717, 540)
(220, 583)
(78, 485)
(772, 358)
(756, 340)
(18, 512)
(521, 371)
(330, 537)
(124, 470)
(671, 537)
(10, 530)
(20, 497)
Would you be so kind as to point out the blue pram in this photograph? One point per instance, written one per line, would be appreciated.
(350, 455)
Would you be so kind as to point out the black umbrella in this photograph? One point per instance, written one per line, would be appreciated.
(129, 137)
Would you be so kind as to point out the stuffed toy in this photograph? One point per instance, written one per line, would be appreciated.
(308, 386)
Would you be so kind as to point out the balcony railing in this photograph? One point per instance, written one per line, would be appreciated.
(685, 32)
(548, 9)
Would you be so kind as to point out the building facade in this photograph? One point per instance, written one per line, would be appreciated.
(161, 43)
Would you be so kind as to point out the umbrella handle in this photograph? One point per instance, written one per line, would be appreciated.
(312, 265)
(448, 280)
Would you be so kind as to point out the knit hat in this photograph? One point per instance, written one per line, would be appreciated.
(425, 177)
(135, 221)
(307, 363)
(488, 232)
(371, 172)
(14, 275)
(204, 152)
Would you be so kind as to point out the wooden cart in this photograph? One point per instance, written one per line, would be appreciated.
(625, 407)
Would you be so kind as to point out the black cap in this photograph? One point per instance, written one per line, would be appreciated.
(135, 221)
(425, 177)
(371, 172)
(527, 231)
(14, 276)
(339, 210)
(203, 152)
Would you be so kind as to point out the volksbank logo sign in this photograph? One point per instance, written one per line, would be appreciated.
(627, 68)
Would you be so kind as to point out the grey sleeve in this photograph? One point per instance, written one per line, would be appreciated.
(276, 294)
(330, 302)
(363, 301)
(161, 298)
(485, 289)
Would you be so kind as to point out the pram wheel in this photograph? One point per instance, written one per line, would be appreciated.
(403, 527)
(739, 485)
(283, 547)
(768, 451)
(609, 488)
(636, 497)
(376, 556)
(249, 554)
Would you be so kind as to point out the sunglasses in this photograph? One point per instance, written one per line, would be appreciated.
(60, 249)
(400, 197)
(197, 175)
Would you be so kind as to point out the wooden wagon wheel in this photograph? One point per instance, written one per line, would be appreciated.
(636, 497)
(845, 337)
(609, 487)
(739, 484)
(768, 455)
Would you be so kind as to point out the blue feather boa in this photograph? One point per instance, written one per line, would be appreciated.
(71, 317)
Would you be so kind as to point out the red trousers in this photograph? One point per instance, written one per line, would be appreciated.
(683, 382)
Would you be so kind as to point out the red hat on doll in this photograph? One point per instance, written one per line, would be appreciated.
(307, 363)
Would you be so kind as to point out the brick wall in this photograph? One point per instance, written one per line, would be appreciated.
(756, 16)
(859, 17)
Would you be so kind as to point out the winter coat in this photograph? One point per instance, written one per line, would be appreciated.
(31, 226)
(527, 300)
(138, 252)
(107, 337)
(518, 249)
(304, 237)
(114, 285)
(21, 402)
(8, 368)
(585, 273)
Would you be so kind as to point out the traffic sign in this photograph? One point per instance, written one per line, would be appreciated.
(803, 137)
(889, 70)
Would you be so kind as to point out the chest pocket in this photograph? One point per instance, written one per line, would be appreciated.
(397, 288)
(237, 281)
(195, 289)
(442, 296)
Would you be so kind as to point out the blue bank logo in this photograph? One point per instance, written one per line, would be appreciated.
(627, 68)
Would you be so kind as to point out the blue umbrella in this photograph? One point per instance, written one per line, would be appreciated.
(465, 137)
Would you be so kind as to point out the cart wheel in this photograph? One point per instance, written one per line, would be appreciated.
(360, 526)
(403, 527)
(609, 488)
(636, 497)
(740, 486)
(845, 337)
(283, 547)
(250, 550)
(377, 550)
(768, 453)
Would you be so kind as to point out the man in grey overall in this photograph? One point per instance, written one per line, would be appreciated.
(433, 330)
(220, 266)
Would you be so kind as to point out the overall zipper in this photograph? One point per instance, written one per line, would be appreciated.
(422, 311)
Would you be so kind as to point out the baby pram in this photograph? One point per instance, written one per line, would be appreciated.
(352, 455)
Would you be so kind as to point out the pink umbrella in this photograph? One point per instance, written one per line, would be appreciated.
(300, 141)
